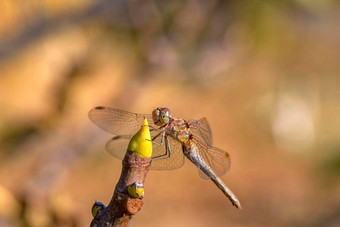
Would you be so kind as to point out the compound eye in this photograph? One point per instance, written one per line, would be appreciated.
(155, 116)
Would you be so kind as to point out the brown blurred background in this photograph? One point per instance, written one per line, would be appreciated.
(264, 73)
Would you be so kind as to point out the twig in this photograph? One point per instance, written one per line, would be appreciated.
(127, 198)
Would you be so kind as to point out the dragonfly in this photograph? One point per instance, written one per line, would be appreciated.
(173, 140)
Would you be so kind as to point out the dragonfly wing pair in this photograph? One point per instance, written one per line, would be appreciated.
(201, 128)
(218, 160)
(118, 122)
(124, 124)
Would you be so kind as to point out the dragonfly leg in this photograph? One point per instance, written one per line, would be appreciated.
(156, 129)
(167, 153)
(162, 139)
(162, 133)
(155, 137)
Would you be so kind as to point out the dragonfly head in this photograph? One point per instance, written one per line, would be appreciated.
(161, 116)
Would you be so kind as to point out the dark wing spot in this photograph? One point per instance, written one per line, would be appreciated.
(99, 107)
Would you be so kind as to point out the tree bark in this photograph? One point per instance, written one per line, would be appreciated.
(123, 206)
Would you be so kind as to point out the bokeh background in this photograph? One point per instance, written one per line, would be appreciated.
(264, 73)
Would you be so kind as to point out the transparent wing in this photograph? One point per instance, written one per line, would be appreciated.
(118, 122)
(218, 160)
(118, 145)
(202, 129)
(160, 161)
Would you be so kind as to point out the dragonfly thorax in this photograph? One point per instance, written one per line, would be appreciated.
(161, 116)
(179, 130)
